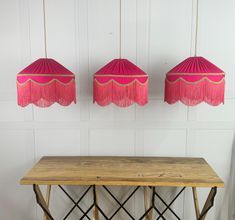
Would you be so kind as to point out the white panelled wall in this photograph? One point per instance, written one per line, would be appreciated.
(83, 35)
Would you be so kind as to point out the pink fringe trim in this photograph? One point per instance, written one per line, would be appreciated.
(120, 95)
(44, 95)
(194, 93)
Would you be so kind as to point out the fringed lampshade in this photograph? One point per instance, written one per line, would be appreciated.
(122, 83)
(45, 82)
(193, 81)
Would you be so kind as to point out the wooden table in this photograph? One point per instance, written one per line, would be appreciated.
(147, 172)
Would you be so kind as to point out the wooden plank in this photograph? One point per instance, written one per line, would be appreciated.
(95, 211)
(209, 202)
(95, 214)
(147, 203)
(47, 200)
(196, 203)
(129, 171)
(41, 201)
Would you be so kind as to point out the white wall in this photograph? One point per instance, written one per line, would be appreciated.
(84, 35)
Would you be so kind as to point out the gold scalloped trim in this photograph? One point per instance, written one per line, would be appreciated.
(45, 74)
(202, 79)
(119, 84)
(200, 74)
(124, 76)
(43, 84)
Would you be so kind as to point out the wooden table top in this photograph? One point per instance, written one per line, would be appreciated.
(128, 171)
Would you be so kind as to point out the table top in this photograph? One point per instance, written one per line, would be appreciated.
(128, 171)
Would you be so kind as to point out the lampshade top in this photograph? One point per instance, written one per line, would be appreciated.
(120, 67)
(196, 65)
(45, 70)
(45, 66)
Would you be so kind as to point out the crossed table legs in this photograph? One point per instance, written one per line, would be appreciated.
(150, 206)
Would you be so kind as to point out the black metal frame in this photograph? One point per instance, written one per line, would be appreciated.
(75, 203)
(153, 206)
(121, 205)
(85, 213)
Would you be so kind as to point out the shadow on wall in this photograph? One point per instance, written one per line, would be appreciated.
(228, 208)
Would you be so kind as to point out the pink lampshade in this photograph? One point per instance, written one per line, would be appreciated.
(45, 82)
(193, 81)
(122, 83)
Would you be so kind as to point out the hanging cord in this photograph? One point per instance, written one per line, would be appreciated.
(44, 27)
(196, 32)
(120, 29)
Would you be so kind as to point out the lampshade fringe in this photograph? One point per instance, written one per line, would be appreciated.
(193, 94)
(120, 95)
(47, 94)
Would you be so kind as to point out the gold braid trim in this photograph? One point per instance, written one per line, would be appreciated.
(202, 79)
(199, 74)
(45, 75)
(43, 84)
(119, 84)
(124, 76)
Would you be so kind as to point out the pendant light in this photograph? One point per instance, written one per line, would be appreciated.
(195, 80)
(45, 81)
(120, 81)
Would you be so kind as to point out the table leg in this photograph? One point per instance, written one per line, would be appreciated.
(208, 204)
(96, 211)
(42, 202)
(147, 202)
(196, 203)
(48, 195)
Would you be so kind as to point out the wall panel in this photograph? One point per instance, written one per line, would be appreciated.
(17, 155)
(112, 142)
(215, 37)
(169, 40)
(57, 142)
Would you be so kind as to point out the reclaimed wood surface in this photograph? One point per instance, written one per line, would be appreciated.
(128, 171)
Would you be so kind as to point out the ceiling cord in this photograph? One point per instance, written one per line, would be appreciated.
(120, 29)
(44, 28)
(196, 31)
